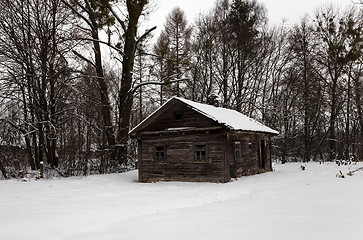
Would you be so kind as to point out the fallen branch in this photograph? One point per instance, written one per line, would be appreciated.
(350, 173)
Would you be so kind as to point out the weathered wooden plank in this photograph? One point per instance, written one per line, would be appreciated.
(177, 130)
(180, 163)
(250, 162)
(190, 118)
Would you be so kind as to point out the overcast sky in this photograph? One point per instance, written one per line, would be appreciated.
(291, 10)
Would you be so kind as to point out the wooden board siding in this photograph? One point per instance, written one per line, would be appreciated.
(180, 164)
(250, 162)
(190, 118)
(176, 136)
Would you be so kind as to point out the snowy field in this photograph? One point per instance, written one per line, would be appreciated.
(286, 204)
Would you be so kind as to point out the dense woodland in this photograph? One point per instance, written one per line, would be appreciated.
(77, 75)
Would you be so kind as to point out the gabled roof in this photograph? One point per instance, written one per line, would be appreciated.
(231, 119)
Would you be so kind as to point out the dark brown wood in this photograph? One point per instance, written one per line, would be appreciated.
(227, 174)
(250, 162)
(135, 9)
(166, 118)
(139, 162)
(179, 131)
(180, 163)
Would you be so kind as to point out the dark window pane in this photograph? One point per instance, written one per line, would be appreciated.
(160, 148)
(200, 153)
(178, 115)
(159, 153)
(237, 155)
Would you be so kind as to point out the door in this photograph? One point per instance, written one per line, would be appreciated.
(262, 154)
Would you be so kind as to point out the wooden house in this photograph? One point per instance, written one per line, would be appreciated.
(189, 141)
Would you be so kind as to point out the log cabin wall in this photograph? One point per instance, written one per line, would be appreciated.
(178, 115)
(182, 141)
(183, 156)
(254, 153)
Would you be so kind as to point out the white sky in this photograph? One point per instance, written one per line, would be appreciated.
(291, 10)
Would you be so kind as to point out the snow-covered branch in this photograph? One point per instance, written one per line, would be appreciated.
(84, 58)
(106, 43)
(133, 90)
(145, 35)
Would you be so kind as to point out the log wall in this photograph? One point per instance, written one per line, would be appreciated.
(180, 163)
(250, 162)
(188, 118)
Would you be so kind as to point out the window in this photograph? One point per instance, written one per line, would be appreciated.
(200, 153)
(178, 115)
(159, 153)
(237, 151)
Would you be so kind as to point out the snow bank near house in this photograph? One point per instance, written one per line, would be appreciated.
(285, 204)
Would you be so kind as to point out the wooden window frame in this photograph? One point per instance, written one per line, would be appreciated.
(201, 147)
(157, 156)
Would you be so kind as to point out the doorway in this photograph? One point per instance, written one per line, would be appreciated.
(262, 154)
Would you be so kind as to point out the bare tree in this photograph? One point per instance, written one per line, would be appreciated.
(303, 43)
(34, 45)
(99, 14)
(334, 55)
(96, 15)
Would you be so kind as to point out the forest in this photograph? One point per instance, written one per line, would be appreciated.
(77, 75)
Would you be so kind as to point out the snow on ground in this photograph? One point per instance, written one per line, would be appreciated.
(285, 204)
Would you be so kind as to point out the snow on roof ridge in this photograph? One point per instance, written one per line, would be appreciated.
(151, 114)
(228, 117)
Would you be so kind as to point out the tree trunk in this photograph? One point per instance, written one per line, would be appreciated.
(34, 141)
(125, 96)
(30, 153)
(358, 100)
(108, 127)
(332, 143)
(347, 123)
(3, 170)
(307, 108)
(239, 83)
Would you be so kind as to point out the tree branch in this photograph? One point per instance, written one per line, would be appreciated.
(145, 35)
(122, 23)
(78, 13)
(133, 90)
(84, 58)
(106, 43)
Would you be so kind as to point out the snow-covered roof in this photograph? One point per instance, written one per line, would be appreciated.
(230, 118)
